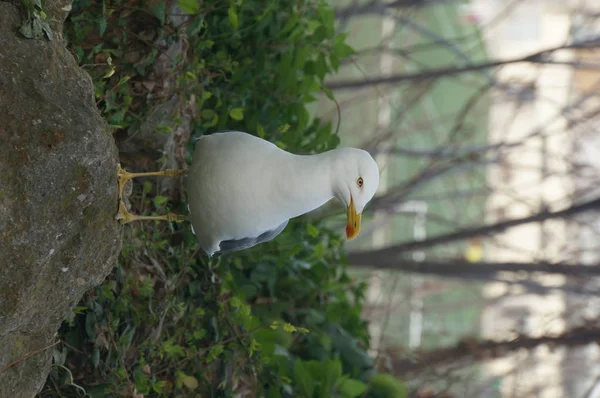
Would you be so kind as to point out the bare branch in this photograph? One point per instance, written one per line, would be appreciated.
(476, 231)
(539, 57)
(470, 349)
(452, 267)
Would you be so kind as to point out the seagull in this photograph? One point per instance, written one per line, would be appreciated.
(243, 190)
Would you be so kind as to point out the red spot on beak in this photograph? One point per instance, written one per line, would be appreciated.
(349, 230)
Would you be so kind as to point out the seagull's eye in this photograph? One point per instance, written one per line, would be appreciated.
(359, 182)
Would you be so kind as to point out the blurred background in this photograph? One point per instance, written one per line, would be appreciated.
(483, 116)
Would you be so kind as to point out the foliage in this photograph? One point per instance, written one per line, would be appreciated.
(278, 320)
(35, 25)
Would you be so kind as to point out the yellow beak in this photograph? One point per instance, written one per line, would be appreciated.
(353, 224)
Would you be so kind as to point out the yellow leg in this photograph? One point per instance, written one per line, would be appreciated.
(125, 216)
(124, 176)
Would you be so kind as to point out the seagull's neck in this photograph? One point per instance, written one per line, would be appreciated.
(305, 183)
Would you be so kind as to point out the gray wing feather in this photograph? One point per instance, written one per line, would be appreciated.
(234, 245)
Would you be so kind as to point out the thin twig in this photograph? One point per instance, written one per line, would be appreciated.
(13, 363)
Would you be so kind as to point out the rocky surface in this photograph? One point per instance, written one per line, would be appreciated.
(58, 196)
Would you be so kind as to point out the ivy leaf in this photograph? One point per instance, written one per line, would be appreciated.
(36, 28)
(160, 200)
(237, 113)
(189, 6)
(351, 388)
(304, 381)
(260, 131)
(341, 49)
(312, 231)
(102, 26)
(233, 17)
(332, 373)
(214, 352)
(207, 114)
(328, 92)
(213, 122)
(190, 382)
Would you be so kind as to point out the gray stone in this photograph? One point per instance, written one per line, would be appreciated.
(58, 196)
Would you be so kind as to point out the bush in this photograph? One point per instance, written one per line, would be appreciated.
(278, 320)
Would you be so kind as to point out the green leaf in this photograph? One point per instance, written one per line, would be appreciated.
(214, 352)
(283, 128)
(147, 186)
(36, 28)
(332, 373)
(110, 72)
(321, 67)
(158, 10)
(207, 114)
(287, 76)
(289, 25)
(334, 60)
(190, 6)
(90, 321)
(190, 382)
(123, 80)
(79, 309)
(237, 113)
(102, 26)
(301, 55)
(311, 230)
(95, 357)
(351, 388)
(312, 25)
(254, 346)
(327, 17)
(342, 50)
(142, 384)
(304, 381)
(160, 200)
(233, 17)
(260, 131)
(213, 122)
(328, 92)
(159, 386)
(386, 385)
(319, 34)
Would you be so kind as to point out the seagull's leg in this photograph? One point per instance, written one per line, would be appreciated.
(124, 176)
(125, 216)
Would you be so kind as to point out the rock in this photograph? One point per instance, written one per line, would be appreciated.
(58, 196)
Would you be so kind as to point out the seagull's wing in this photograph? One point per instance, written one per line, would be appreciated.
(234, 245)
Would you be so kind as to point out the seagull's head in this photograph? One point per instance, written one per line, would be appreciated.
(356, 178)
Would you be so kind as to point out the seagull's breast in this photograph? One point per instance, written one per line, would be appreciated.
(233, 187)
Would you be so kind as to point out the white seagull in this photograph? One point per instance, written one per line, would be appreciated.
(243, 190)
